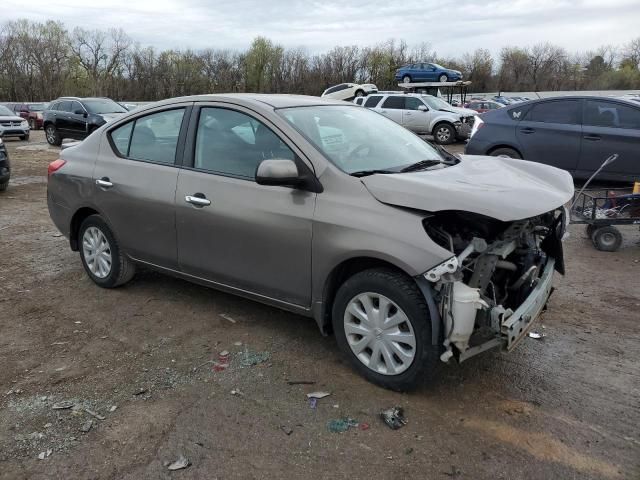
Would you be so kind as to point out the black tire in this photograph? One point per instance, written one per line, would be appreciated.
(443, 78)
(589, 230)
(32, 124)
(52, 135)
(406, 79)
(4, 186)
(404, 292)
(360, 93)
(24, 138)
(444, 133)
(606, 239)
(122, 269)
(506, 152)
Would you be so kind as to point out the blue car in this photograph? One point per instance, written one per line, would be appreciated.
(426, 72)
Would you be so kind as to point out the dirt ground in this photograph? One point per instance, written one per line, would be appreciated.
(566, 406)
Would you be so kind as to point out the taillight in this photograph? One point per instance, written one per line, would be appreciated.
(477, 125)
(55, 166)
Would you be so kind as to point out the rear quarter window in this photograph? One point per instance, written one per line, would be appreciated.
(518, 113)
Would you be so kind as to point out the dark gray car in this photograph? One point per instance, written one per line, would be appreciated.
(573, 133)
(405, 252)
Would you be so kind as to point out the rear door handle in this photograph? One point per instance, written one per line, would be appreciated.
(592, 138)
(197, 200)
(104, 182)
(527, 130)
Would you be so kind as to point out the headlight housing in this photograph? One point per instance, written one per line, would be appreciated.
(24, 124)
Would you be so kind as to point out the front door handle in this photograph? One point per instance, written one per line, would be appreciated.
(197, 200)
(104, 182)
(592, 138)
(407, 113)
(528, 130)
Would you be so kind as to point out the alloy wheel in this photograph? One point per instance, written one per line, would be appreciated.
(379, 333)
(97, 252)
(51, 135)
(443, 134)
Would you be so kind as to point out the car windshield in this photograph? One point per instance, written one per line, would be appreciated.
(435, 102)
(37, 107)
(4, 111)
(357, 139)
(103, 106)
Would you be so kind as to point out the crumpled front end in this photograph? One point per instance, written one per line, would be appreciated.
(498, 279)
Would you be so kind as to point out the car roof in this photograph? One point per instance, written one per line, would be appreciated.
(256, 99)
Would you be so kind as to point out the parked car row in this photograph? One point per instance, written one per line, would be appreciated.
(31, 112)
(13, 125)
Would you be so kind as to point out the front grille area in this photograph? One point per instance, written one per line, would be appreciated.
(7, 123)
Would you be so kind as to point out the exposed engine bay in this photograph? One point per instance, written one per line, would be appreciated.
(498, 280)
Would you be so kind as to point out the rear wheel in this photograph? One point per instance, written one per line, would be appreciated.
(607, 239)
(32, 124)
(443, 78)
(360, 93)
(101, 256)
(4, 185)
(444, 133)
(382, 324)
(406, 79)
(505, 152)
(53, 137)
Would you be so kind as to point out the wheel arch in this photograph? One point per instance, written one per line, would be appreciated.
(493, 148)
(76, 220)
(349, 267)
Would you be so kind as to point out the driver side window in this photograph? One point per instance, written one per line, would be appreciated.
(233, 143)
(412, 103)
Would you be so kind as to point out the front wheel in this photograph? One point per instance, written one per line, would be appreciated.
(382, 324)
(53, 137)
(443, 78)
(101, 256)
(444, 133)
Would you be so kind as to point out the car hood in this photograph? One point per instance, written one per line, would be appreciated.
(11, 118)
(465, 112)
(502, 188)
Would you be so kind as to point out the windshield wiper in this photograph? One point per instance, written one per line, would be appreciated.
(421, 165)
(366, 173)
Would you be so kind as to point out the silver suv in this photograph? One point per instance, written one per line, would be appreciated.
(414, 112)
(404, 252)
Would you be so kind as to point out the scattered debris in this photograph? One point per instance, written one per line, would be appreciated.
(43, 455)
(62, 405)
(78, 322)
(223, 357)
(94, 414)
(60, 369)
(454, 472)
(536, 335)
(48, 425)
(318, 395)
(179, 464)
(313, 402)
(228, 318)
(140, 391)
(219, 367)
(203, 364)
(340, 425)
(250, 359)
(237, 344)
(112, 408)
(394, 417)
(86, 426)
(363, 426)
(408, 451)
(236, 391)
(60, 343)
(301, 382)
(286, 429)
(336, 406)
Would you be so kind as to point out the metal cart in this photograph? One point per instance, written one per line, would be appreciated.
(600, 210)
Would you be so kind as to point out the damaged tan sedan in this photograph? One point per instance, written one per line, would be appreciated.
(408, 254)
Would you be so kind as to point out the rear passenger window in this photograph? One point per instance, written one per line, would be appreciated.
(372, 101)
(558, 111)
(233, 143)
(152, 138)
(394, 103)
(598, 113)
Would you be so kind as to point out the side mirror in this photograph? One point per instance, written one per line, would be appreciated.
(79, 111)
(277, 172)
(423, 108)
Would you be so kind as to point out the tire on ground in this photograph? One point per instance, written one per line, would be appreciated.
(607, 239)
(506, 152)
(404, 292)
(122, 269)
(437, 133)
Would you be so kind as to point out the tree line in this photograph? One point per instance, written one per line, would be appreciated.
(42, 61)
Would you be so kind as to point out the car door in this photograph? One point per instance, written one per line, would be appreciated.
(231, 231)
(77, 123)
(551, 132)
(430, 73)
(135, 179)
(610, 127)
(61, 116)
(415, 115)
(392, 108)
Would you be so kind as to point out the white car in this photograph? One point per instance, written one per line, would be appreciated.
(437, 103)
(412, 111)
(347, 91)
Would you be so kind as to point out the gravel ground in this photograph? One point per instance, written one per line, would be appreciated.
(134, 365)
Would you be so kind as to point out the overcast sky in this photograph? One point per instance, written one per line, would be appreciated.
(452, 27)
